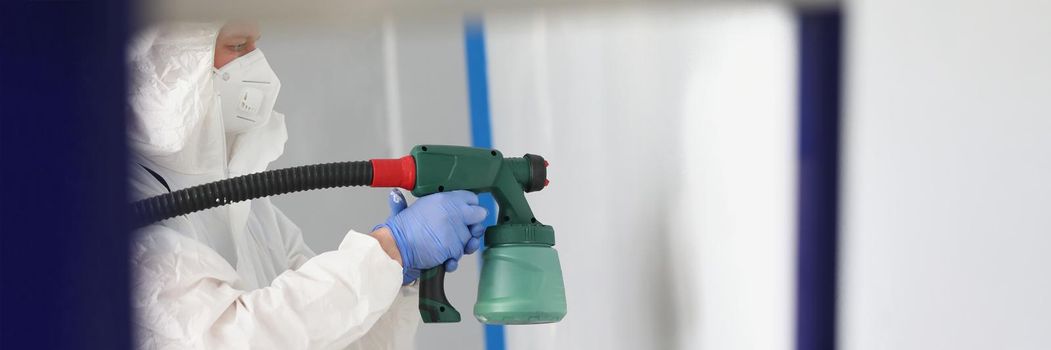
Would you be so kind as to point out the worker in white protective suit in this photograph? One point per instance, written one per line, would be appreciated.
(240, 276)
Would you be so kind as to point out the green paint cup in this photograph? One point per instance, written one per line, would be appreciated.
(520, 284)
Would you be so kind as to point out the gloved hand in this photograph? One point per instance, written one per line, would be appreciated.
(437, 229)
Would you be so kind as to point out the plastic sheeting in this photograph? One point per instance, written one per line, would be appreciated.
(670, 133)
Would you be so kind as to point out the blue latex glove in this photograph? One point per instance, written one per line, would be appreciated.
(437, 229)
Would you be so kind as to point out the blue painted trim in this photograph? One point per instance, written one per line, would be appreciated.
(481, 131)
(819, 121)
(477, 82)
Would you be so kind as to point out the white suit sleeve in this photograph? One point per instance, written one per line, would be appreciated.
(396, 329)
(185, 296)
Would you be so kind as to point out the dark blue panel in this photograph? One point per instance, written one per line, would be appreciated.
(63, 238)
(819, 130)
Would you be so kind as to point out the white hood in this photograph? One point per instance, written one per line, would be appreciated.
(175, 114)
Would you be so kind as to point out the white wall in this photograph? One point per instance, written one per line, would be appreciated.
(670, 133)
(947, 191)
(735, 231)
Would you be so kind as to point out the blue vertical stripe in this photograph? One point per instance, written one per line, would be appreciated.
(477, 82)
(481, 130)
(819, 110)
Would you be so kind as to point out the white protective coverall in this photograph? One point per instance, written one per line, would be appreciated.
(239, 276)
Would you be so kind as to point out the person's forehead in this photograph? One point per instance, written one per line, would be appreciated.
(240, 30)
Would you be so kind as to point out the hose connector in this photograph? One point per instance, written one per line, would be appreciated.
(400, 172)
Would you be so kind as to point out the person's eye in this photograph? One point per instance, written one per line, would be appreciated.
(238, 47)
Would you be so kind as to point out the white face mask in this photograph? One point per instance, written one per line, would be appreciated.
(247, 90)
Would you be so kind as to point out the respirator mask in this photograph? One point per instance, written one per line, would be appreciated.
(247, 88)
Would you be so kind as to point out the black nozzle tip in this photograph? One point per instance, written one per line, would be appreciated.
(537, 173)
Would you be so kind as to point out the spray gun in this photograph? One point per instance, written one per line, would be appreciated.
(521, 279)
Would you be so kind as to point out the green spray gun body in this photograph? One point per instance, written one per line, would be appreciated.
(521, 278)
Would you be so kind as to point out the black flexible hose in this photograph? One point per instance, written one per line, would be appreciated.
(251, 186)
